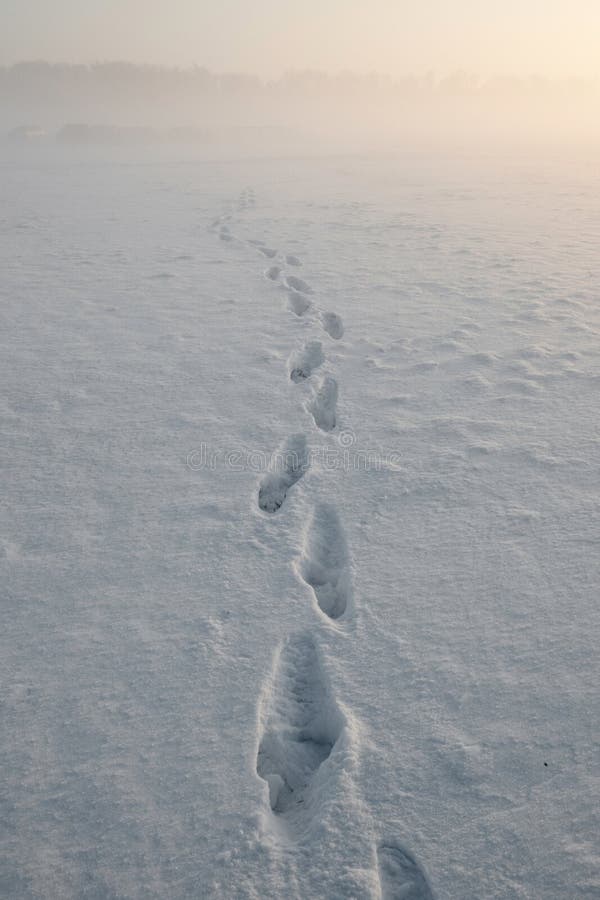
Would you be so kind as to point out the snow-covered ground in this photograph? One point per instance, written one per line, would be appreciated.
(301, 529)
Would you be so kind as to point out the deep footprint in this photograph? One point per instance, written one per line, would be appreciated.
(300, 726)
(324, 565)
(400, 876)
(292, 260)
(333, 325)
(267, 251)
(302, 363)
(323, 405)
(298, 303)
(287, 466)
(297, 284)
(273, 273)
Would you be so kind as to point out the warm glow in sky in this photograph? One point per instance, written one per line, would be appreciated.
(268, 37)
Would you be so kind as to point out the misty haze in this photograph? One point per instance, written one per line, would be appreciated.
(301, 361)
(310, 111)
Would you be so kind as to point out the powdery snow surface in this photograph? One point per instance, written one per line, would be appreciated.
(300, 573)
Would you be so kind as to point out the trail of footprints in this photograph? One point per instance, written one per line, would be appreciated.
(300, 721)
(296, 288)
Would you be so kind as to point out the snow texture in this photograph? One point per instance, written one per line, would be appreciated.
(294, 606)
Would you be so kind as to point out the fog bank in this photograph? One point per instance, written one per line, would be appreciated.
(123, 102)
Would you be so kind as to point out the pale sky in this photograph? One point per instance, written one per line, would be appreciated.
(267, 37)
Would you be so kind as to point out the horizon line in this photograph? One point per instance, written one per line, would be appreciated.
(430, 75)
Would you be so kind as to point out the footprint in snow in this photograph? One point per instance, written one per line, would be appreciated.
(267, 251)
(298, 303)
(273, 273)
(400, 876)
(292, 260)
(333, 325)
(324, 564)
(287, 466)
(297, 284)
(301, 725)
(323, 404)
(302, 363)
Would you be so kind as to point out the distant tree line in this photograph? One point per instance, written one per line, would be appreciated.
(37, 81)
